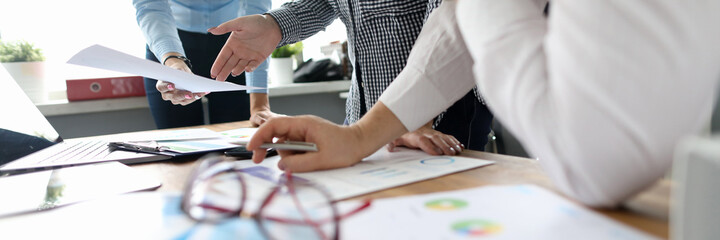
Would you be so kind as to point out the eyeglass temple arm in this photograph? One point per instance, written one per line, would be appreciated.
(365, 205)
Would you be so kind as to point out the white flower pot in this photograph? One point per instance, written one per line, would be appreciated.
(281, 71)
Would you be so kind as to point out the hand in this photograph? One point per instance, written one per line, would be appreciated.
(430, 141)
(257, 118)
(252, 40)
(332, 140)
(168, 90)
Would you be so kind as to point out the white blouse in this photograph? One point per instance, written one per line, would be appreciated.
(600, 92)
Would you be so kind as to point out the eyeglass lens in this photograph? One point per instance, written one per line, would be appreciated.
(299, 210)
(292, 211)
(216, 197)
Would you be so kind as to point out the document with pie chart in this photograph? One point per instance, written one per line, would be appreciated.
(493, 212)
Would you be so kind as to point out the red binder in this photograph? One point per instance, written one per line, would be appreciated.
(101, 88)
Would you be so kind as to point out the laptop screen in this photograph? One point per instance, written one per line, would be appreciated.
(23, 129)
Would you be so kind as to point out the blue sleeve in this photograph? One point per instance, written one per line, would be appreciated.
(158, 26)
(257, 7)
(258, 78)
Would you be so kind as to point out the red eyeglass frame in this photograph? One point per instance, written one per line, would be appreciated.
(212, 160)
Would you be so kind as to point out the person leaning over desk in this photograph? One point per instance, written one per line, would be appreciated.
(177, 37)
(380, 36)
(600, 92)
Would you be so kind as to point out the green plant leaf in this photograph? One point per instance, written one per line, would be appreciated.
(20, 51)
(287, 50)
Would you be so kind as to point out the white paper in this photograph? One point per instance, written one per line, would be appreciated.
(105, 58)
(495, 212)
(379, 171)
(240, 136)
(182, 134)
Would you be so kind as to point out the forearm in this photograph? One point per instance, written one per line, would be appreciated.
(437, 74)
(377, 128)
(157, 24)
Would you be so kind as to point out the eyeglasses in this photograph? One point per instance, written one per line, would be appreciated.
(293, 207)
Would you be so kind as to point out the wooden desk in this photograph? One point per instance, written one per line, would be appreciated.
(506, 170)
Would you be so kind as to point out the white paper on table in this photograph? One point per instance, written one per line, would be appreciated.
(239, 136)
(379, 171)
(98, 56)
(495, 212)
(182, 134)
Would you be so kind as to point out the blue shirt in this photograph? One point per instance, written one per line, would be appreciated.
(160, 19)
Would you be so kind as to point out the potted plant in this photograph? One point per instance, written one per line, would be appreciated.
(25, 63)
(20, 51)
(281, 64)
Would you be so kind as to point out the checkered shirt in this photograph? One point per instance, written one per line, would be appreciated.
(381, 34)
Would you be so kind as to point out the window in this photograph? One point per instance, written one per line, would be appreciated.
(62, 28)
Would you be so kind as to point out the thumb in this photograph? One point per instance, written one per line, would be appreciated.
(226, 27)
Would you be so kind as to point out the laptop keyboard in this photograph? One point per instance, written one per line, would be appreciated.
(77, 151)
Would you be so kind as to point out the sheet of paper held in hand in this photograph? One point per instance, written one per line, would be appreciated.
(97, 56)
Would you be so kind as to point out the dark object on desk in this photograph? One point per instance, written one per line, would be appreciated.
(150, 147)
(242, 153)
(317, 71)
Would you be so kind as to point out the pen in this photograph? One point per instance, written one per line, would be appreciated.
(292, 145)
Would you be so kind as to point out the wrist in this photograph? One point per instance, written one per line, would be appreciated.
(170, 60)
(365, 146)
(274, 25)
(259, 102)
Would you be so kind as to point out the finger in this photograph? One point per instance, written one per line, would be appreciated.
(441, 143)
(232, 61)
(258, 120)
(259, 155)
(391, 146)
(239, 68)
(251, 66)
(220, 61)
(226, 27)
(163, 86)
(428, 146)
(277, 127)
(456, 145)
(301, 162)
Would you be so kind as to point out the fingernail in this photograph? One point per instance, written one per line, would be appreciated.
(281, 165)
(187, 96)
(207, 92)
(171, 87)
(213, 76)
(197, 97)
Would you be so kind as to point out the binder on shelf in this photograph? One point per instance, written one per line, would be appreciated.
(104, 87)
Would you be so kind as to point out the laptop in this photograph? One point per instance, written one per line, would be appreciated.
(28, 142)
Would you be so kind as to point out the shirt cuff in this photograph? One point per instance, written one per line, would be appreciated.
(289, 25)
(160, 48)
